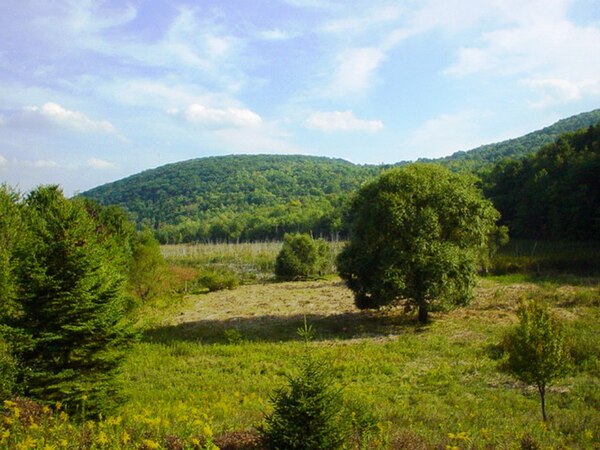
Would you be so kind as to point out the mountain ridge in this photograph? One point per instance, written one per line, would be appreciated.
(258, 197)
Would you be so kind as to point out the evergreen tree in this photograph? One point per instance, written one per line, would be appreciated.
(71, 297)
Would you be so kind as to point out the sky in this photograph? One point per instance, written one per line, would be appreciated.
(94, 91)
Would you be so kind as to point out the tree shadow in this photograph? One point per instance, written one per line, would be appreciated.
(270, 328)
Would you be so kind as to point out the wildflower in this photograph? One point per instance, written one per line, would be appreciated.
(125, 438)
(114, 420)
(452, 447)
(49, 447)
(84, 398)
(63, 443)
(27, 444)
(150, 444)
(63, 416)
(57, 406)
(9, 404)
(195, 442)
(101, 438)
(4, 435)
(207, 431)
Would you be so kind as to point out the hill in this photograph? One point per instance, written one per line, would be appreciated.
(247, 197)
(486, 156)
(261, 197)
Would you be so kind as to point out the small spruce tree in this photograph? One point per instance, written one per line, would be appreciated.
(537, 351)
(308, 412)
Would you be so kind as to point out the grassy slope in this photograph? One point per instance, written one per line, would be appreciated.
(225, 352)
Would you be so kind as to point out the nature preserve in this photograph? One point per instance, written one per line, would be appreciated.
(299, 225)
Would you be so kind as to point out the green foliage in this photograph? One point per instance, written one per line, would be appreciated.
(241, 197)
(262, 197)
(8, 372)
(537, 351)
(417, 234)
(482, 159)
(11, 233)
(301, 257)
(308, 412)
(71, 302)
(217, 279)
(553, 194)
(148, 272)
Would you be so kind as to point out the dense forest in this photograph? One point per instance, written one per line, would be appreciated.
(240, 197)
(553, 194)
(261, 197)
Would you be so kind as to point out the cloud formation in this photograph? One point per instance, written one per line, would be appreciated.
(96, 163)
(204, 116)
(55, 114)
(331, 121)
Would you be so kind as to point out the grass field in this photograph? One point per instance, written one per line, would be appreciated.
(208, 364)
(225, 352)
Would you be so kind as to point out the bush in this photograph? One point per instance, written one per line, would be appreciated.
(215, 279)
(301, 257)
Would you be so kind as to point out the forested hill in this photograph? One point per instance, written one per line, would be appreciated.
(239, 196)
(487, 155)
(261, 197)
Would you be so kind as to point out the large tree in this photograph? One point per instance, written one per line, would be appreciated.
(71, 317)
(418, 234)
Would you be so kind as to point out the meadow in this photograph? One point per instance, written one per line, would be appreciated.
(207, 364)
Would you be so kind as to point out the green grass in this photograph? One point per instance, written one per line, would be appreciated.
(215, 359)
(226, 352)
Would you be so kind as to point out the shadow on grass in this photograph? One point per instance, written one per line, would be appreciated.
(352, 325)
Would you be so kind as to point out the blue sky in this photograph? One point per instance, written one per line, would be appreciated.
(93, 91)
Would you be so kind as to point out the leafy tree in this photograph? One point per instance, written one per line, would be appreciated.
(148, 270)
(71, 301)
(537, 351)
(301, 257)
(11, 233)
(417, 234)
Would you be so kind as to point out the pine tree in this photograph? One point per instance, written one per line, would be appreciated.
(72, 305)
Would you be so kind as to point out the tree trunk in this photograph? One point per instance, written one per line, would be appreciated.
(423, 313)
(542, 389)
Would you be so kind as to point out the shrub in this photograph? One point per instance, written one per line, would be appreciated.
(301, 257)
(537, 352)
(215, 279)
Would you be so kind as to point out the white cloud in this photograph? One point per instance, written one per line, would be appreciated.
(341, 121)
(3, 161)
(96, 163)
(219, 118)
(275, 34)
(55, 114)
(558, 60)
(447, 134)
(356, 67)
(42, 164)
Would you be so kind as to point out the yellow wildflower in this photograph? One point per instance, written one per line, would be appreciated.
(101, 438)
(5, 435)
(207, 431)
(150, 444)
(9, 404)
(45, 409)
(49, 447)
(57, 406)
(125, 438)
(63, 443)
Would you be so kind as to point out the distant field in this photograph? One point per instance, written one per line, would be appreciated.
(225, 352)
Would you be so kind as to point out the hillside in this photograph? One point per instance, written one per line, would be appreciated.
(260, 197)
(487, 155)
(238, 196)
